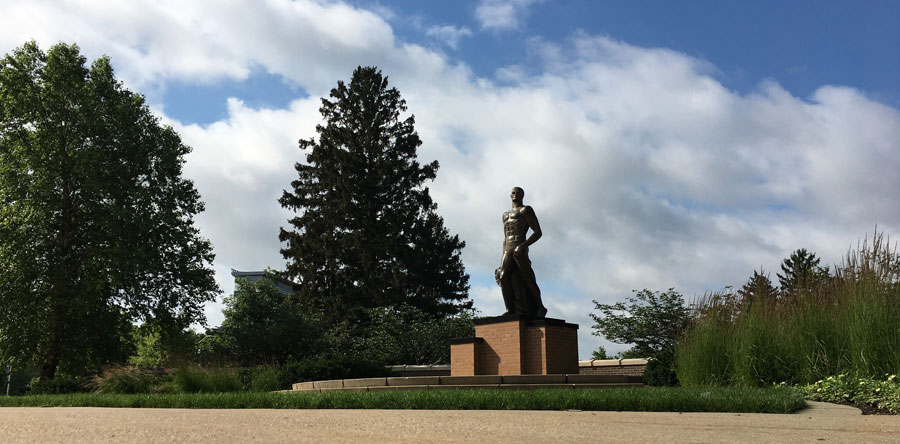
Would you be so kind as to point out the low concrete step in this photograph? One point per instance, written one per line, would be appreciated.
(470, 382)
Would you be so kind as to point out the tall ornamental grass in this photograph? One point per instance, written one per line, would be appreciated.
(848, 322)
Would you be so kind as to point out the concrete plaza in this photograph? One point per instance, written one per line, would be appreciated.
(821, 423)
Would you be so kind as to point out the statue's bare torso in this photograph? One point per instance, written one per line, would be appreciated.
(515, 226)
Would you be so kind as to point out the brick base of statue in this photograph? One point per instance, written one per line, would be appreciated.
(513, 345)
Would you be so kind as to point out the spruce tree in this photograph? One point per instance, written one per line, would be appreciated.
(758, 289)
(801, 273)
(366, 233)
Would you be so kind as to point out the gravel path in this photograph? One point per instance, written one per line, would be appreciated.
(821, 423)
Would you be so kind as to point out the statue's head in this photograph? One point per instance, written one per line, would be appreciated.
(517, 194)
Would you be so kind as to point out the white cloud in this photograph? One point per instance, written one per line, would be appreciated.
(502, 14)
(309, 42)
(643, 169)
(449, 34)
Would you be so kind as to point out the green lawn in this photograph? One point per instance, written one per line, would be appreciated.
(656, 399)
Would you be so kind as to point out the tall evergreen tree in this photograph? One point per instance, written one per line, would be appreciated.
(96, 222)
(367, 234)
(800, 273)
(758, 289)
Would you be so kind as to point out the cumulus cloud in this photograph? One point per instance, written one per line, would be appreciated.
(449, 34)
(502, 14)
(643, 169)
(308, 42)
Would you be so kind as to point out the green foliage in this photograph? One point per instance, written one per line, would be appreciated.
(758, 289)
(331, 366)
(367, 233)
(156, 346)
(21, 377)
(650, 320)
(801, 272)
(96, 222)
(214, 380)
(263, 325)
(660, 370)
(129, 380)
(848, 323)
(600, 353)
(62, 384)
(407, 335)
(881, 393)
(630, 353)
(266, 379)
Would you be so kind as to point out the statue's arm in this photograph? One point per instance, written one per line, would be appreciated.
(534, 225)
(503, 244)
(498, 273)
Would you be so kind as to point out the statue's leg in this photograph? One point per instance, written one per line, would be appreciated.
(529, 282)
(506, 283)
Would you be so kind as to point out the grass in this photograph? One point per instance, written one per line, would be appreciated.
(848, 323)
(656, 399)
(194, 380)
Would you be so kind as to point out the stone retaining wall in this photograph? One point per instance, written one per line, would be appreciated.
(627, 367)
(517, 382)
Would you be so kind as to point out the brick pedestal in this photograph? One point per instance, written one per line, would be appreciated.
(465, 356)
(511, 345)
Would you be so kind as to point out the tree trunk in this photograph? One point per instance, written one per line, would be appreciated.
(63, 274)
(51, 361)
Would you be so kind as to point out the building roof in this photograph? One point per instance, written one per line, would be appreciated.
(287, 286)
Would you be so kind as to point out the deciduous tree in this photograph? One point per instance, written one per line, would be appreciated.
(263, 326)
(96, 220)
(651, 320)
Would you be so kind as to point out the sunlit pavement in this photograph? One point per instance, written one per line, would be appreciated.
(821, 423)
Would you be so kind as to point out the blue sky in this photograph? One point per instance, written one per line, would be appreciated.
(802, 44)
(662, 144)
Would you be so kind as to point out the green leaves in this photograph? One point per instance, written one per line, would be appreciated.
(263, 325)
(366, 234)
(97, 222)
(650, 320)
(801, 273)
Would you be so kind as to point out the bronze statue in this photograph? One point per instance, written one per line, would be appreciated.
(515, 276)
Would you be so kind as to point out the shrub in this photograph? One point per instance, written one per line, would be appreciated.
(19, 381)
(652, 321)
(324, 368)
(266, 379)
(218, 380)
(660, 370)
(128, 380)
(59, 385)
(407, 335)
(844, 388)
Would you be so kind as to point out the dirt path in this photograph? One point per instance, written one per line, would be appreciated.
(822, 423)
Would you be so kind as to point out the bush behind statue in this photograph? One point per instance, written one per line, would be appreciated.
(60, 385)
(653, 322)
(660, 370)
